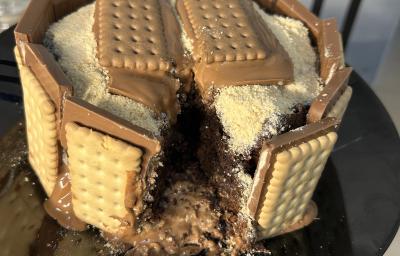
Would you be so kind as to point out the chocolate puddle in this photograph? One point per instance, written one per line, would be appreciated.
(59, 205)
(187, 222)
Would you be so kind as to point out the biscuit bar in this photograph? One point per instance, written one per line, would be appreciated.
(135, 46)
(333, 99)
(102, 169)
(79, 111)
(60, 206)
(331, 49)
(130, 35)
(309, 215)
(49, 75)
(41, 127)
(287, 173)
(232, 45)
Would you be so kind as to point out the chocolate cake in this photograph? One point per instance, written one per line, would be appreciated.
(187, 127)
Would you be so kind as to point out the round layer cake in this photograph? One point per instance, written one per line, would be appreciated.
(181, 127)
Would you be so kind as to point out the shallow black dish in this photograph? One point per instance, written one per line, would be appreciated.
(358, 195)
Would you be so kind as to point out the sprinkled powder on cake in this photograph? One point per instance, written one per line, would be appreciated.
(249, 112)
(73, 43)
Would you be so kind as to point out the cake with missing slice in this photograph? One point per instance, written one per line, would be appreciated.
(180, 127)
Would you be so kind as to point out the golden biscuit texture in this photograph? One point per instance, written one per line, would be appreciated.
(310, 214)
(225, 31)
(102, 169)
(294, 176)
(340, 106)
(131, 35)
(232, 45)
(41, 128)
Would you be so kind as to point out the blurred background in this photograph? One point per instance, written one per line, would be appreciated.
(373, 46)
(10, 10)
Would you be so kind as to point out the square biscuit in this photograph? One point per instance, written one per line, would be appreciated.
(223, 31)
(102, 170)
(310, 214)
(41, 128)
(331, 49)
(131, 35)
(136, 44)
(232, 45)
(287, 174)
(294, 176)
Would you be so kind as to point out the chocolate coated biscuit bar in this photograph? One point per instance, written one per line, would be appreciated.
(41, 127)
(329, 96)
(232, 45)
(331, 49)
(107, 190)
(49, 74)
(136, 45)
(86, 128)
(287, 173)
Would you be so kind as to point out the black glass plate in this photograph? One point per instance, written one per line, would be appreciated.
(358, 195)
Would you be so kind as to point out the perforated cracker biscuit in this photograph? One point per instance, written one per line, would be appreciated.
(230, 40)
(136, 44)
(205, 17)
(288, 171)
(131, 35)
(102, 169)
(41, 128)
(295, 175)
(310, 214)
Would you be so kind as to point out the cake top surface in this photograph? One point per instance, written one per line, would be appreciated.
(250, 112)
(263, 106)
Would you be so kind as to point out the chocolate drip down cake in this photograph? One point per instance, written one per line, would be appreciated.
(187, 127)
